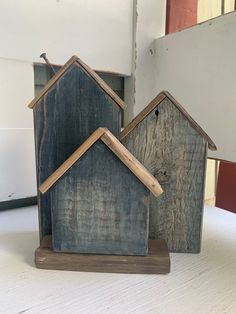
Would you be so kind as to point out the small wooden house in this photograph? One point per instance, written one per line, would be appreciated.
(74, 103)
(100, 199)
(173, 147)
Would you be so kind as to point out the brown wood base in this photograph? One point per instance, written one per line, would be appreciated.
(156, 262)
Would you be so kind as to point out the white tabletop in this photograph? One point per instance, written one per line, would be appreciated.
(202, 283)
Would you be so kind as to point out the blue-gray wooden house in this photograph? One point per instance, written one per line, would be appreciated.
(74, 103)
(100, 199)
(173, 147)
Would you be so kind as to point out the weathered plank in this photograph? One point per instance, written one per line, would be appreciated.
(132, 163)
(99, 206)
(51, 180)
(153, 104)
(156, 262)
(76, 61)
(118, 149)
(175, 153)
(67, 114)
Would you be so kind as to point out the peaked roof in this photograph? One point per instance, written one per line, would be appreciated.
(118, 149)
(89, 71)
(153, 104)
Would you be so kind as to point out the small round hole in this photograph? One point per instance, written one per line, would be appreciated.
(157, 112)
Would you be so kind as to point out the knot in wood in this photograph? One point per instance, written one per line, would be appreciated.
(162, 175)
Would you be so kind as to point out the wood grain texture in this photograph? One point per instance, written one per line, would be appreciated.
(71, 110)
(99, 206)
(74, 60)
(102, 84)
(154, 104)
(132, 163)
(118, 149)
(156, 262)
(142, 115)
(46, 185)
(175, 153)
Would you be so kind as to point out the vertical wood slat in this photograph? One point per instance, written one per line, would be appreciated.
(99, 206)
(175, 153)
(73, 108)
(135, 166)
(118, 149)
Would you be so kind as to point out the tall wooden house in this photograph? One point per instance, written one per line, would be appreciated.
(173, 147)
(74, 103)
(100, 199)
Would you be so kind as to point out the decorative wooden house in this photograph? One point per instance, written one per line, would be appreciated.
(173, 147)
(74, 103)
(100, 199)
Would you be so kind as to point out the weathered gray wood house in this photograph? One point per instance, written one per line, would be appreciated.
(173, 147)
(100, 199)
(74, 103)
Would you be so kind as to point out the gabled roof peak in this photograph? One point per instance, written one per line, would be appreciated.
(118, 149)
(153, 104)
(89, 71)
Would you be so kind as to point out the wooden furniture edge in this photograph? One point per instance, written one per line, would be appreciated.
(156, 262)
(132, 163)
(51, 180)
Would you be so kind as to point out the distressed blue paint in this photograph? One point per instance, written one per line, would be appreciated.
(100, 206)
(64, 118)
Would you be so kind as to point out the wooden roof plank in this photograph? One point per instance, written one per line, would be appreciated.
(52, 179)
(52, 81)
(102, 84)
(118, 149)
(132, 163)
(152, 105)
(89, 71)
(195, 125)
(145, 112)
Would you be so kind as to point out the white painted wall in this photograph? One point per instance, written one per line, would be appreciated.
(198, 67)
(150, 25)
(229, 6)
(16, 91)
(17, 164)
(150, 18)
(99, 32)
(210, 183)
(17, 161)
(208, 9)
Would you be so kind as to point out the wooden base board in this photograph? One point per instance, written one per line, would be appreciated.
(156, 262)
